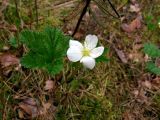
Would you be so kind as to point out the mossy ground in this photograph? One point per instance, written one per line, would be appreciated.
(109, 92)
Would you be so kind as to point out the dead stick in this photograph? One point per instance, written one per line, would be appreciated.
(36, 8)
(81, 16)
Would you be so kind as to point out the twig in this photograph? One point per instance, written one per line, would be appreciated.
(81, 16)
(16, 5)
(113, 8)
(101, 6)
(36, 8)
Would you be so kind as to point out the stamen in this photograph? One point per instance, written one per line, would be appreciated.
(86, 52)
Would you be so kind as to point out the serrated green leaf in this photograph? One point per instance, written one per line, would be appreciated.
(34, 60)
(59, 43)
(46, 49)
(36, 41)
(55, 67)
(151, 67)
(151, 50)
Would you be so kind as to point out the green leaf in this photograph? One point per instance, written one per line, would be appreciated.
(13, 42)
(150, 24)
(106, 50)
(74, 85)
(55, 67)
(34, 60)
(46, 49)
(151, 67)
(103, 58)
(151, 50)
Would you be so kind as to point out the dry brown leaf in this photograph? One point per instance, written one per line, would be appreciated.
(29, 105)
(32, 111)
(126, 28)
(135, 54)
(134, 8)
(156, 83)
(9, 60)
(29, 108)
(50, 84)
(135, 24)
(121, 55)
(8, 63)
(29, 101)
(147, 84)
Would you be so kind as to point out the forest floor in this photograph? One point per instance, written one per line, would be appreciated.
(120, 89)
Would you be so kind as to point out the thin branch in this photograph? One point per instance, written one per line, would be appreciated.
(36, 8)
(81, 16)
(101, 6)
(17, 10)
(114, 8)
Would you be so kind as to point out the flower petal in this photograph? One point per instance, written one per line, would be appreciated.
(91, 41)
(74, 43)
(88, 62)
(96, 52)
(74, 54)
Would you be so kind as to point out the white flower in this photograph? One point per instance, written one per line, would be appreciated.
(159, 24)
(85, 53)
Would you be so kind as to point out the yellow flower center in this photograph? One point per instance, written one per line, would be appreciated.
(86, 52)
